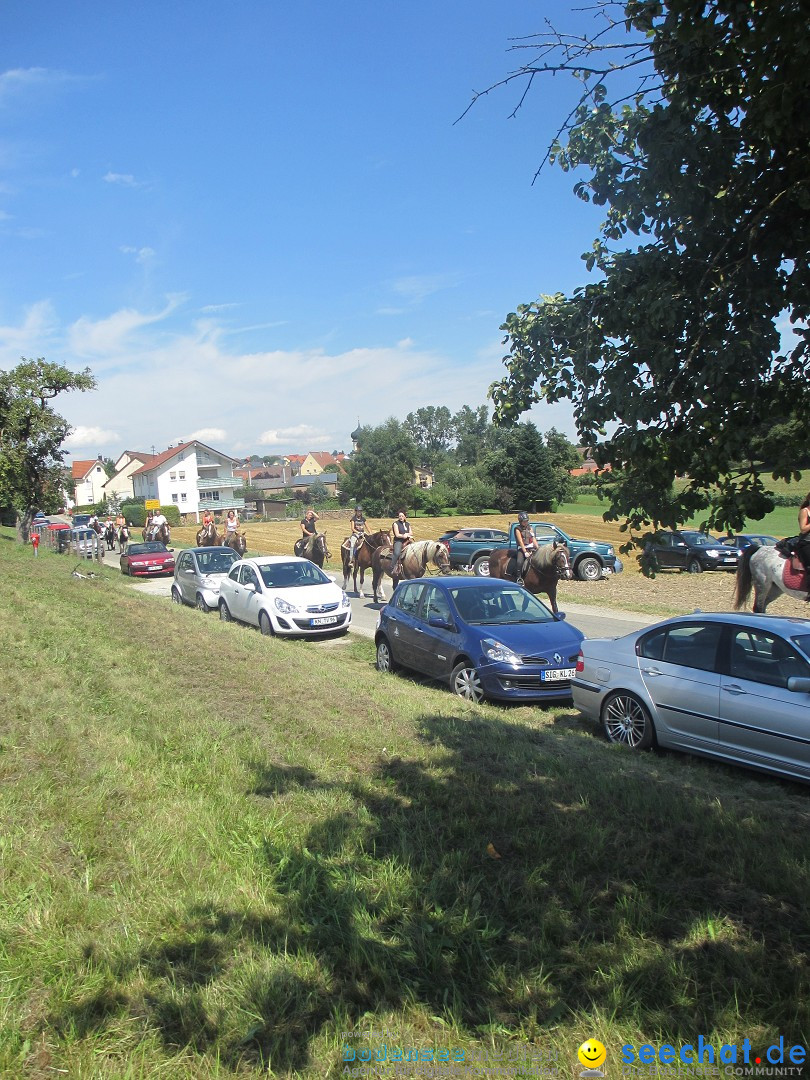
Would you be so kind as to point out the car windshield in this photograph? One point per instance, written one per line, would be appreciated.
(699, 539)
(150, 548)
(482, 606)
(216, 561)
(291, 574)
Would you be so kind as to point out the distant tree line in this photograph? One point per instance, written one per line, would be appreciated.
(475, 465)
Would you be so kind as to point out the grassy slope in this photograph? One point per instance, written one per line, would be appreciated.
(221, 851)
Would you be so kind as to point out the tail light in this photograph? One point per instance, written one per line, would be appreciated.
(580, 664)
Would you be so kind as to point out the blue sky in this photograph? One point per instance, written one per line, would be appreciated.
(257, 222)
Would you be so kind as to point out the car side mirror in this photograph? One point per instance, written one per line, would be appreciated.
(798, 684)
(440, 622)
(188, 570)
(559, 616)
(249, 587)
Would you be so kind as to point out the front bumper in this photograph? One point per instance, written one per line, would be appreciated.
(502, 682)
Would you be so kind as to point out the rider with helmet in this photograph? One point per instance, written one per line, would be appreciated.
(527, 544)
(358, 526)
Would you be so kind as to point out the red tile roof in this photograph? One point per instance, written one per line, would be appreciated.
(80, 469)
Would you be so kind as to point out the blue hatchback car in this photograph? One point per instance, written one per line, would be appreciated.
(486, 638)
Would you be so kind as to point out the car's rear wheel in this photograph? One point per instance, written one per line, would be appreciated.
(385, 658)
(224, 613)
(466, 683)
(626, 721)
(694, 567)
(201, 604)
(176, 597)
(481, 566)
(265, 625)
(589, 569)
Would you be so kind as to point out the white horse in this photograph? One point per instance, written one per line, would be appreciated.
(415, 560)
(771, 574)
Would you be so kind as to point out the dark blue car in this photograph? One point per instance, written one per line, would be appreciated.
(486, 638)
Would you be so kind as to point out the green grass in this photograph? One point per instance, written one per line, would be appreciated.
(219, 852)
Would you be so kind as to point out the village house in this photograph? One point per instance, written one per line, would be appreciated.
(88, 478)
(191, 476)
(119, 486)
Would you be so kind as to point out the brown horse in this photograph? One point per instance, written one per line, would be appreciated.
(162, 534)
(362, 556)
(548, 565)
(414, 562)
(123, 537)
(319, 553)
(237, 541)
(208, 536)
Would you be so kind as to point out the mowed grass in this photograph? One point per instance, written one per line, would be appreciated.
(220, 852)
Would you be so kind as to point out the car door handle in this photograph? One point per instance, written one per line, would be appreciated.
(651, 671)
(734, 689)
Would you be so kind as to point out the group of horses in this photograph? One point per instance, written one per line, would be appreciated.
(208, 536)
(374, 551)
(765, 569)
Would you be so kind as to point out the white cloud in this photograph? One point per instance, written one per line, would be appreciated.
(142, 255)
(31, 338)
(302, 435)
(89, 438)
(418, 287)
(108, 337)
(124, 179)
(206, 435)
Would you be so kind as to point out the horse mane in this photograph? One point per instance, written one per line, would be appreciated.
(543, 558)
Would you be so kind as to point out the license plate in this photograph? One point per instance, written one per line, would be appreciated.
(327, 621)
(558, 675)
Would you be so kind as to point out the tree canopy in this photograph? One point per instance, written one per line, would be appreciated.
(694, 333)
(31, 436)
(381, 471)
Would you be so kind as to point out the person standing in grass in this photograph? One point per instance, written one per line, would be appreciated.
(803, 543)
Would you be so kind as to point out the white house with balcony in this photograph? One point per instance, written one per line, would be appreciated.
(119, 486)
(191, 476)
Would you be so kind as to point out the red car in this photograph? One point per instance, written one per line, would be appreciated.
(150, 557)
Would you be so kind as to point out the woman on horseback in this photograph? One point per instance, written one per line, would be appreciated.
(309, 531)
(527, 543)
(403, 535)
(358, 525)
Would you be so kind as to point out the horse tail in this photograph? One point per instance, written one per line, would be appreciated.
(743, 585)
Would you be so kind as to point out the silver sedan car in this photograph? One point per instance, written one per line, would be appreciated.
(730, 686)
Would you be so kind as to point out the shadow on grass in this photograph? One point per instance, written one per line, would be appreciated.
(506, 878)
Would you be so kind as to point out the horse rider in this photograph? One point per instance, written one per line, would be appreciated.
(309, 531)
(527, 544)
(231, 526)
(208, 519)
(403, 535)
(158, 521)
(358, 525)
(802, 548)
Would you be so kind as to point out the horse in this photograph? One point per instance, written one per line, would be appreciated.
(362, 556)
(123, 537)
(109, 536)
(320, 552)
(548, 565)
(208, 536)
(771, 574)
(237, 541)
(414, 561)
(162, 533)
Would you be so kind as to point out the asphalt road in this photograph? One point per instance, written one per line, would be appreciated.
(592, 621)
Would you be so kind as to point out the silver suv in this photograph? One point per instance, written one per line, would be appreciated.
(198, 573)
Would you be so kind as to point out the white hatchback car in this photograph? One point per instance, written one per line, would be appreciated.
(282, 594)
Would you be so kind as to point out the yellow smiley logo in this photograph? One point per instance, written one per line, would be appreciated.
(592, 1054)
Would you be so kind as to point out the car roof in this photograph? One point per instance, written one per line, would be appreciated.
(268, 560)
(461, 582)
(211, 547)
(782, 624)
